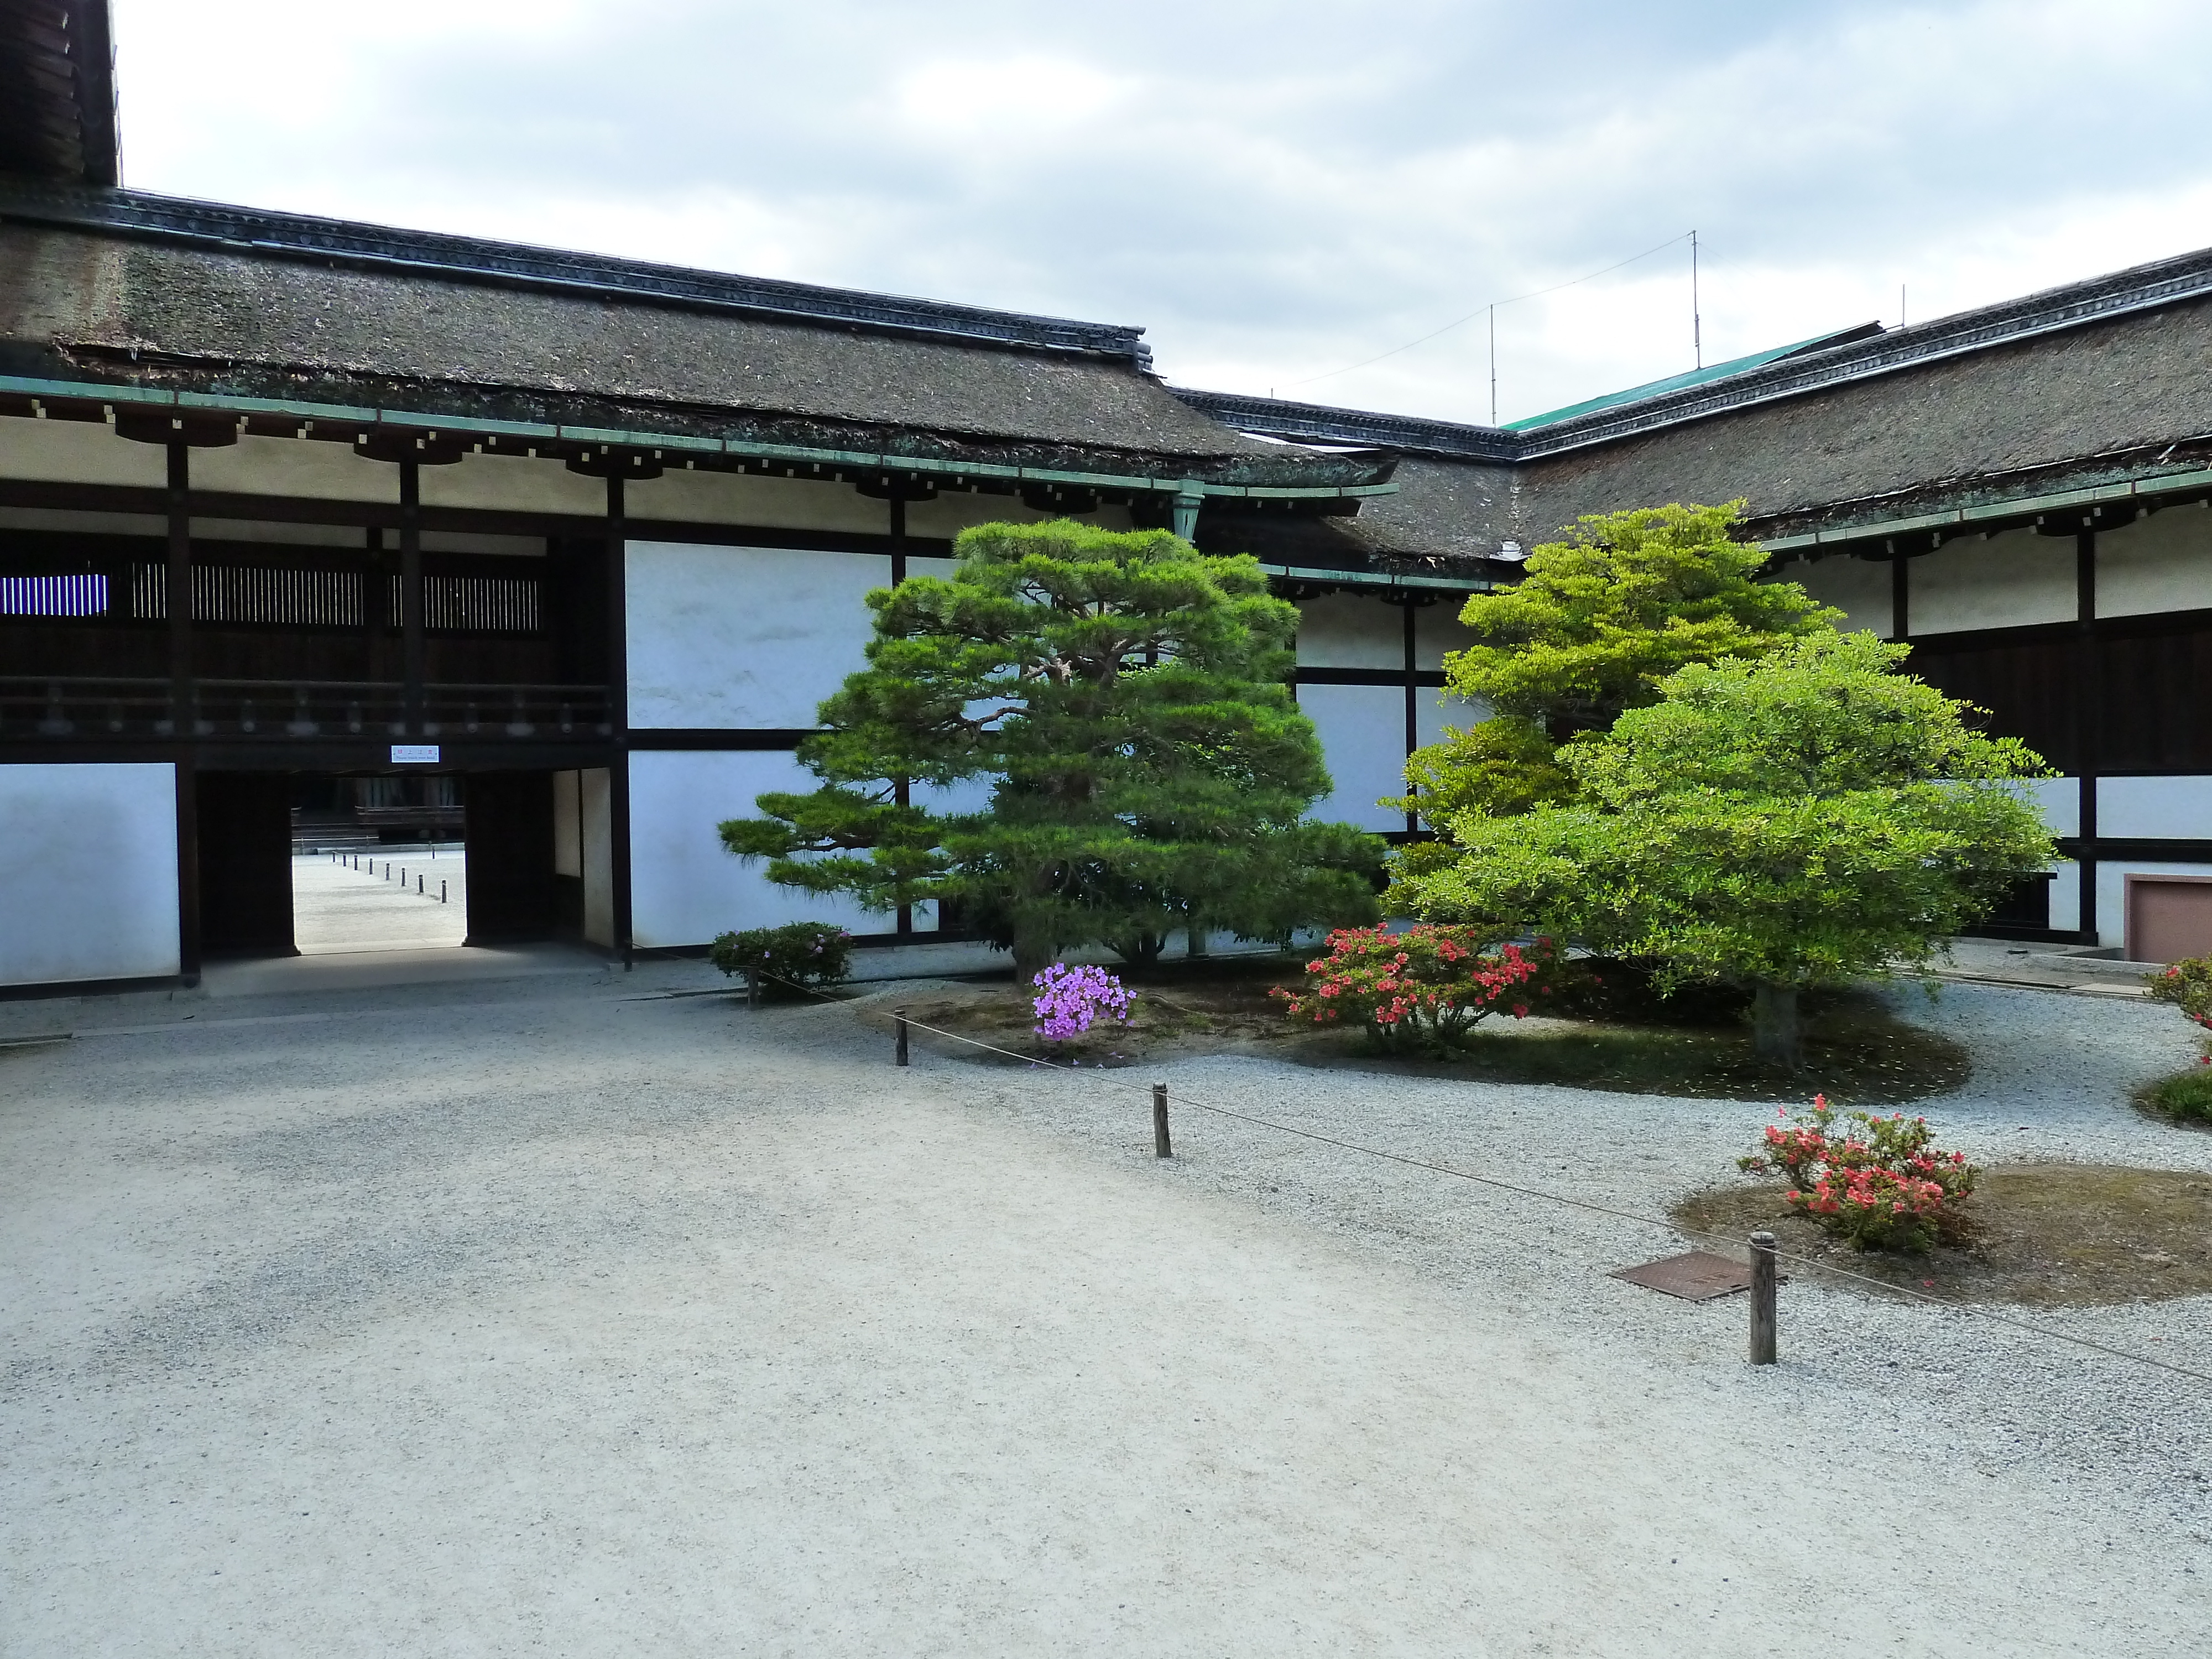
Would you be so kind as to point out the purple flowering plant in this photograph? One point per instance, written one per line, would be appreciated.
(1069, 999)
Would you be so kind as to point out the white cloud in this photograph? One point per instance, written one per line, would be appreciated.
(1277, 188)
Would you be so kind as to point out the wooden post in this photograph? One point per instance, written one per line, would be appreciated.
(1161, 1145)
(1762, 1299)
(902, 1037)
(412, 651)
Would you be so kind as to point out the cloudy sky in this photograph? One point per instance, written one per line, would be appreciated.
(1278, 191)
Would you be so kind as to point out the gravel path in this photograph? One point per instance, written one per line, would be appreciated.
(2052, 1074)
(558, 1323)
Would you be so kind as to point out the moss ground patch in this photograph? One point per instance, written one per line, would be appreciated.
(2039, 1235)
(1857, 1048)
(2185, 1097)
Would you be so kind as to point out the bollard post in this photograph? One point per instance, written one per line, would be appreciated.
(418, 881)
(441, 892)
(902, 1037)
(1161, 1147)
(1762, 1299)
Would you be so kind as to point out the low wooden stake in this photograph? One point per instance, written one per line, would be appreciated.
(1161, 1147)
(902, 1037)
(1762, 1299)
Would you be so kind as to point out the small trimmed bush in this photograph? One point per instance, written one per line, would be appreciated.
(1880, 1183)
(796, 957)
(2187, 984)
(1426, 988)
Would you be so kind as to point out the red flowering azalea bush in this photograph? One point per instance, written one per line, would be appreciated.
(1423, 987)
(2188, 985)
(1879, 1182)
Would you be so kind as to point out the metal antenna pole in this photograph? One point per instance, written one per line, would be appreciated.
(1696, 323)
(1494, 365)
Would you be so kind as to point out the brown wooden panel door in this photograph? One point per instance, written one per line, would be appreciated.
(512, 894)
(2168, 918)
(245, 824)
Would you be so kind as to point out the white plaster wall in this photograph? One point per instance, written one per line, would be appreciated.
(1363, 737)
(970, 795)
(82, 524)
(2162, 562)
(741, 498)
(514, 483)
(263, 530)
(1857, 587)
(1434, 711)
(2058, 798)
(940, 569)
(2066, 896)
(311, 467)
(684, 888)
(1344, 630)
(568, 824)
(79, 452)
(2155, 809)
(2006, 581)
(1437, 629)
(950, 514)
(466, 541)
(88, 873)
(743, 636)
(2113, 895)
(596, 824)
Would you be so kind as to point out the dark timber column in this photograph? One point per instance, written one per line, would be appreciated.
(618, 712)
(902, 790)
(410, 593)
(184, 714)
(376, 599)
(2089, 722)
(1413, 710)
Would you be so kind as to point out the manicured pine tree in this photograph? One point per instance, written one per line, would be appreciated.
(1125, 699)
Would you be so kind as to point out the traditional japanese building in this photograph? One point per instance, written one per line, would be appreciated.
(567, 549)
(2023, 492)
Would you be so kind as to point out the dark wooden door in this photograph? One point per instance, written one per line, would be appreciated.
(244, 822)
(512, 893)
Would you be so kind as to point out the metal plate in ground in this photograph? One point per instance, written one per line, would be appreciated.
(1699, 1276)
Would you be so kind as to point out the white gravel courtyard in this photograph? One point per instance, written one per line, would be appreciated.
(556, 1316)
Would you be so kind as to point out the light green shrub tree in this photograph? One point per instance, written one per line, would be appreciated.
(1800, 819)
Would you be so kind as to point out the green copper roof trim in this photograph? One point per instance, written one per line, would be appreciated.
(2133, 489)
(1378, 579)
(1672, 383)
(889, 460)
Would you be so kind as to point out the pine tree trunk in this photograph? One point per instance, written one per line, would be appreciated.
(1777, 1036)
(1033, 954)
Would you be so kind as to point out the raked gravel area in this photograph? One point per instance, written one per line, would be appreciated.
(561, 1317)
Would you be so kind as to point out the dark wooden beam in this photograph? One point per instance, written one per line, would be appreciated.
(410, 593)
(617, 531)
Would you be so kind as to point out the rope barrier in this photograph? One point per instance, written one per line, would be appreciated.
(1812, 1263)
